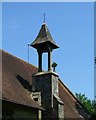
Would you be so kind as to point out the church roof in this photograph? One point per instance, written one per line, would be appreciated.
(44, 37)
(17, 81)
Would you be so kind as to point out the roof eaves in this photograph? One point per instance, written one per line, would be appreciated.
(15, 102)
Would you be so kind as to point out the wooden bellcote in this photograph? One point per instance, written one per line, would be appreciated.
(44, 43)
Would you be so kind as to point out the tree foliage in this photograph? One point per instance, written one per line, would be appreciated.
(89, 104)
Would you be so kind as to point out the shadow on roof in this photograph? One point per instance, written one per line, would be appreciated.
(24, 82)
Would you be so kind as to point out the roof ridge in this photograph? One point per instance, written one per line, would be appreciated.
(68, 89)
(16, 57)
(73, 95)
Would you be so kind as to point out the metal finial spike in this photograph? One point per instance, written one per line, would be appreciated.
(44, 18)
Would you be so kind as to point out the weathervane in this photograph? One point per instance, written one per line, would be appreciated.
(44, 18)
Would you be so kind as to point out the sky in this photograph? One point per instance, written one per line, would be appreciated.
(71, 25)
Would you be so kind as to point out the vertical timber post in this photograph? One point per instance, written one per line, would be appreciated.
(49, 61)
(39, 61)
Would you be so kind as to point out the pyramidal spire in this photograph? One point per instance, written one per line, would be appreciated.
(44, 43)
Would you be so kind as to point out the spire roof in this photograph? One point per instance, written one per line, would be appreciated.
(44, 38)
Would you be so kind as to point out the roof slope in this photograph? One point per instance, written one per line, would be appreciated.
(14, 90)
(44, 37)
(73, 108)
(17, 81)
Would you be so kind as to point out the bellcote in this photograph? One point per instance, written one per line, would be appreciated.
(44, 43)
(47, 82)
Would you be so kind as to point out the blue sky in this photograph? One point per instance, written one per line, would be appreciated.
(71, 26)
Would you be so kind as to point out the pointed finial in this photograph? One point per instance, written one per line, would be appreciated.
(44, 18)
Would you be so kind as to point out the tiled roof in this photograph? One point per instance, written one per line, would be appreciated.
(17, 81)
(72, 107)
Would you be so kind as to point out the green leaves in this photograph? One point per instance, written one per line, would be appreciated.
(89, 104)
